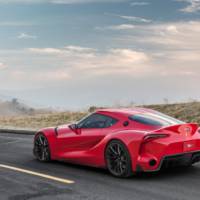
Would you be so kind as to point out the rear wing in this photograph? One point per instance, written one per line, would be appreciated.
(187, 129)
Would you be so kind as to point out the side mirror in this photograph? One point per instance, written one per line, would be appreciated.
(75, 128)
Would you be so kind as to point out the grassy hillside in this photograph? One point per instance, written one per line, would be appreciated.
(189, 112)
(38, 121)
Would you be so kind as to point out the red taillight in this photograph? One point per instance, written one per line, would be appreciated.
(151, 137)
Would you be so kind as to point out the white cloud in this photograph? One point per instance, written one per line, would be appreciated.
(130, 18)
(45, 50)
(117, 27)
(70, 50)
(137, 3)
(90, 59)
(127, 26)
(122, 27)
(173, 60)
(50, 67)
(193, 6)
(172, 29)
(129, 56)
(26, 36)
(79, 49)
(135, 19)
(178, 35)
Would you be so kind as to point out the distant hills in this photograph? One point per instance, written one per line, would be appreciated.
(14, 107)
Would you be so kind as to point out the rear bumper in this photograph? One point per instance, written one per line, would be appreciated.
(182, 159)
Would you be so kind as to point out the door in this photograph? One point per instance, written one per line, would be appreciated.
(91, 132)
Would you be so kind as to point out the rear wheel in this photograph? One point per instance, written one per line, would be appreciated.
(41, 148)
(118, 159)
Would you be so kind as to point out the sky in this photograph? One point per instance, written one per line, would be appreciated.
(77, 53)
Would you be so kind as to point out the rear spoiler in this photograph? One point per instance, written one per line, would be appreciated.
(187, 129)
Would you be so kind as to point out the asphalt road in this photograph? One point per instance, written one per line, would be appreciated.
(89, 183)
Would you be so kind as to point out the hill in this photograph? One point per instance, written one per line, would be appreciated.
(14, 107)
(34, 119)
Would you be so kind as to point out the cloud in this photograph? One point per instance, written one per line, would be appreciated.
(174, 36)
(130, 18)
(86, 72)
(137, 3)
(26, 36)
(45, 50)
(79, 49)
(117, 27)
(135, 19)
(90, 62)
(173, 48)
(192, 7)
(50, 67)
(70, 50)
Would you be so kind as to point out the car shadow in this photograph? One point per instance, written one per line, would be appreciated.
(169, 173)
(162, 174)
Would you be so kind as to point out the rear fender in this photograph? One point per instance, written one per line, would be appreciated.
(132, 140)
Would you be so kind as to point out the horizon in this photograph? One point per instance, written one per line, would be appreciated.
(78, 53)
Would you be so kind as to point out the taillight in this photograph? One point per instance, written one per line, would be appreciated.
(151, 137)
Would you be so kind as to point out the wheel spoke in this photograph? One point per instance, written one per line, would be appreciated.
(40, 139)
(118, 150)
(113, 150)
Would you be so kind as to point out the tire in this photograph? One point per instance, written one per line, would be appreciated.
(118, 160)
(41, 148)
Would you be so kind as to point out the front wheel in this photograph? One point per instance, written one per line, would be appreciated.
(41, 148)
(118, 159)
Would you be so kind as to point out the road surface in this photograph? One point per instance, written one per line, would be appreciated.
(24, 178)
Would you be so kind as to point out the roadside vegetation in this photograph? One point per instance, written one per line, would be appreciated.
(33, 119)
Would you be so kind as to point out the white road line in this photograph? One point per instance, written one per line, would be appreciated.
(61, 180)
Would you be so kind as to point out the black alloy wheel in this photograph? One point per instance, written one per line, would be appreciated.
(118, 159)
(41, 148)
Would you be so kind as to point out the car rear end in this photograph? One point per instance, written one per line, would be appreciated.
(170, 146)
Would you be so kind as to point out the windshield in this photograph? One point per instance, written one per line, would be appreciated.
(154, 119)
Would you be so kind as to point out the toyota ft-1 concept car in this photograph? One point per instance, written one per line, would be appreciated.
(124, 141)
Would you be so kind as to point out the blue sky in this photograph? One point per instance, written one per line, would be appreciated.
(77, 53)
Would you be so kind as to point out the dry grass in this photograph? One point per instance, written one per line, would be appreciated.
(39, 121)
(189, 112)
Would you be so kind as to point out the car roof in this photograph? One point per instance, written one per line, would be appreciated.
(125, 111)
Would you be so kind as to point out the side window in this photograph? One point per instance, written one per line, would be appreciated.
(97, 121)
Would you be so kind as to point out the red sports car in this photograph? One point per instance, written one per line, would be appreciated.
(124, 141)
